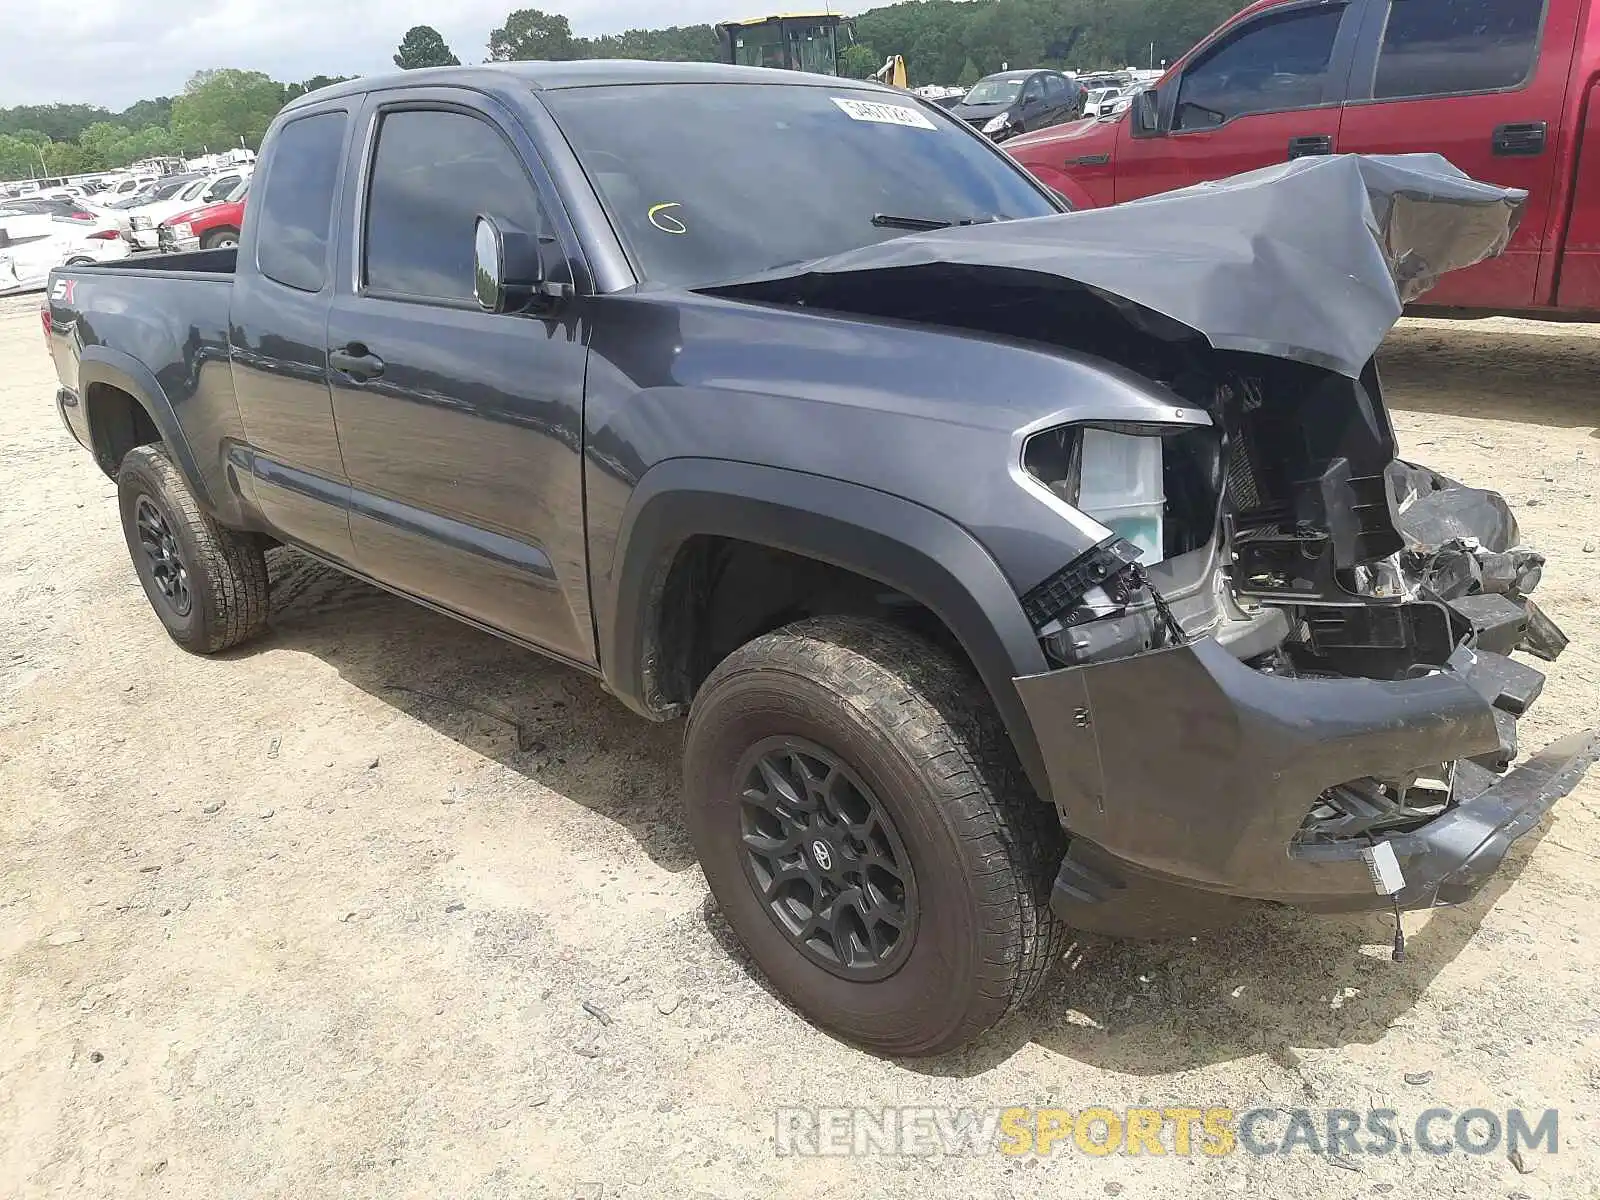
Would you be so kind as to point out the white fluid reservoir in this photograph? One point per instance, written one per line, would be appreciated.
(1120, 486)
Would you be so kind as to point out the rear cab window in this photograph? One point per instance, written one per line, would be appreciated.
(296, 201)
(1456, 47)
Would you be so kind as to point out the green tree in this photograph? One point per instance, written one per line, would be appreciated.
(969, 75)
(64, 158)
(859, 61)
(293, 91)
(531, 34)
(424, 46)
(54, 122)
(100, 144)
(218, 109)
(18, 159)
(144, 113)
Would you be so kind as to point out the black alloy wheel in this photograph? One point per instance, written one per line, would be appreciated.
(826, 859)
(165, 559)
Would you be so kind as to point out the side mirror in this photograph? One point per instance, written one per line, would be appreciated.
(508, 269)
(1146, 112)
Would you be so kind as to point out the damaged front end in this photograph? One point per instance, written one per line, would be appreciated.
(1304, 692)
(1282, 663)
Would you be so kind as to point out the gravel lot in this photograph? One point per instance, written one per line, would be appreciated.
(321, 917)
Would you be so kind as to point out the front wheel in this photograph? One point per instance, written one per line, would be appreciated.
(207, 583)
(867, 831)
(220, 239)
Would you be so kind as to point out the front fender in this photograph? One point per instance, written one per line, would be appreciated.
(1069, 189)
(902, 545)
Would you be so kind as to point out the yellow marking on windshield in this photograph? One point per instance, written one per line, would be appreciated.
(665, 221)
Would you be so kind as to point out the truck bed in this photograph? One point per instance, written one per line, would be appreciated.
(194, 262)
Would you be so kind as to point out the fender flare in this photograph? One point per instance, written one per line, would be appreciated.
(898, 543)
(115, 368)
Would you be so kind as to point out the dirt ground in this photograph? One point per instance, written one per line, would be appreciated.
(321, 917)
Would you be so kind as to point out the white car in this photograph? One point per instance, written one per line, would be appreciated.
(1104, 102)
(32, 246)
(140, 218)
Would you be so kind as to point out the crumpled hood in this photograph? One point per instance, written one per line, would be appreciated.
(1312, 260)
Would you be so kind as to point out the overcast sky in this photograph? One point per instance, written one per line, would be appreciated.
(113, 52)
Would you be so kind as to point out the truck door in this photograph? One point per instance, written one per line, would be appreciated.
(1263, 91)
(1483, 83)
(277, 339)
(462, 429)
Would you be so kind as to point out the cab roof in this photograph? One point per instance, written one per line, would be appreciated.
(581, 73)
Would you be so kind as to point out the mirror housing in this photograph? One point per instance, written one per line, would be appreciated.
(1145, 112)
(508, 269)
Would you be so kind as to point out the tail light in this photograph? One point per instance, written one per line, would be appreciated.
(44, 317)
(106, 235)
(80, 215)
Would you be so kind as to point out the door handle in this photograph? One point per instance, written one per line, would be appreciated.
(356, 361)
(1523, 140)
(1312, 144)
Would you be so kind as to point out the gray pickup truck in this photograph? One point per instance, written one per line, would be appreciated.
(1017, 570)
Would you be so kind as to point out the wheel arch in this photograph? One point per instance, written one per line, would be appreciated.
(891, 541)
(116, 389)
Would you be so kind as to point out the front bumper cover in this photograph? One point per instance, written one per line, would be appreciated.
(1185, 771)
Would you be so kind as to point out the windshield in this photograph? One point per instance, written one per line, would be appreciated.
(707, 183)
(994, 91)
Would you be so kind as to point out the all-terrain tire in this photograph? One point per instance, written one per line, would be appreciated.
(919, 732)
(223, 572)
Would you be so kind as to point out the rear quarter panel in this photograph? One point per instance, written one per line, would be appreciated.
(172, 324)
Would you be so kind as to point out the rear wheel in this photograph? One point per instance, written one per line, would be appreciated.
(220, 239)
(207, 583)
(868, 833)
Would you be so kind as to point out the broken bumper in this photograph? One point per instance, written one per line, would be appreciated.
(1184, 773)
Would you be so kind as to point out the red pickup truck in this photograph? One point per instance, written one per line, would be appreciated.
(1505, 89)
(212, 227)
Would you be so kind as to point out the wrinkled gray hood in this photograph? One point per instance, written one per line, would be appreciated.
(1311, 260)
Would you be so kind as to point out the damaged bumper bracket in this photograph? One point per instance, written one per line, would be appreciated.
(1450, 858)
(1184, 774)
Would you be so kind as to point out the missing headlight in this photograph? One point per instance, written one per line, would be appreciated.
(1157, 486)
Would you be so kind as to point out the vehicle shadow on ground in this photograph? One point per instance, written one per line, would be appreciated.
(1472, 370)
(547, 722)
(1280, 980)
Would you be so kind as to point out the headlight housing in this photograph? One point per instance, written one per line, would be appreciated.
(182, 230)
(1113, 476)
(996, 124)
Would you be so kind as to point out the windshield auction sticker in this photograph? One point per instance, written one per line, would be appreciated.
(884, 114)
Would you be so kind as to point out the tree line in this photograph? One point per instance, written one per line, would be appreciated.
(942, 41)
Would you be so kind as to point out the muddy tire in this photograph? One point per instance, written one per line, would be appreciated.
(208, 584)
(865, 826)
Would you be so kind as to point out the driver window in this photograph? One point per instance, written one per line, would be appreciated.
(433, 173)
(1273, 65)
(1034, 92)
